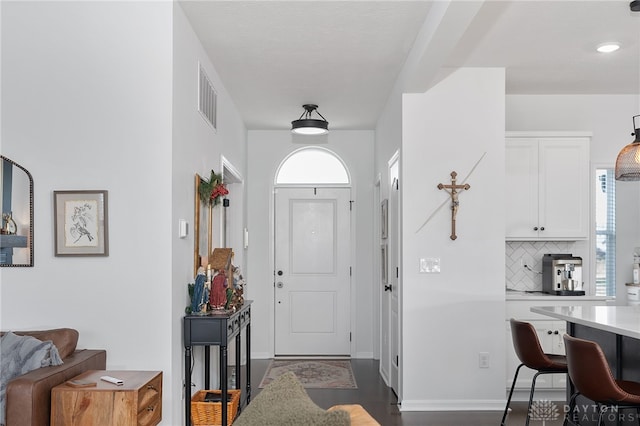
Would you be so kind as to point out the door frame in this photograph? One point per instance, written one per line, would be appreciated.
(396, 232)
(377, 264)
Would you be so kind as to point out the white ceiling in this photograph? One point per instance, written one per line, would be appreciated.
(345, 56)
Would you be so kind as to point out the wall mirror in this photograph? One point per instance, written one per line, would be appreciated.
(201, 228)
(204, 214)
(16, 204)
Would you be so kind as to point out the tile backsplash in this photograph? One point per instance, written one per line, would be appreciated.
(517, 276)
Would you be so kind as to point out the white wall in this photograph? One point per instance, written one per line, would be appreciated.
(102, 95)
(609, 118)
(266, 150)
(450, 317)
(197, 148)
(86, 104)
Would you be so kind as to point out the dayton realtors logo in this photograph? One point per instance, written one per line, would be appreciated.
(544, 410)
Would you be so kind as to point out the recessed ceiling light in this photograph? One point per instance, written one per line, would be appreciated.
(608, 47)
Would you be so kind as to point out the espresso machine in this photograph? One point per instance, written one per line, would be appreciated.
(562, 275)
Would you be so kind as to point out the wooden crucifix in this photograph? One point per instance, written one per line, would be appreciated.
(453, 190)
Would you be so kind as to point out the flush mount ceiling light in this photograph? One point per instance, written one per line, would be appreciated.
(608, 47)
(305, 125)
(628, 161)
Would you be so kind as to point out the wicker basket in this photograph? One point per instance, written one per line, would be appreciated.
(210, 413)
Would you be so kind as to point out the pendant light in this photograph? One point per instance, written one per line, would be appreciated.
(305, 125)
(628, 161)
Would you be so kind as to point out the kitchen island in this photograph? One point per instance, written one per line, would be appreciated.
(617, 330)
(619, 320)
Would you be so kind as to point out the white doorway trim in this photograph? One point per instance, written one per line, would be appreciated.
(377, 299)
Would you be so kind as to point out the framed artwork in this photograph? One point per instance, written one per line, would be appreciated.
(383, 264)
(80, 223)
(384, 218)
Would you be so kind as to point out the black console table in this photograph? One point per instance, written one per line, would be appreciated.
(216, 329)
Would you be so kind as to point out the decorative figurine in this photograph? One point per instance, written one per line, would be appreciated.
(10, 227)
(218, 296)
(227, 304)
(237, 299)
(200, 293)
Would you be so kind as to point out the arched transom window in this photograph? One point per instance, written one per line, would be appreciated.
(312, 166)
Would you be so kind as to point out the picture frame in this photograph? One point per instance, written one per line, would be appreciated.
(384, 261)
(384, 218)
(81, 225)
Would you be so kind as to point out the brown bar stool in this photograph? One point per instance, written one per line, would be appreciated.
(531, 355)
(591, 376)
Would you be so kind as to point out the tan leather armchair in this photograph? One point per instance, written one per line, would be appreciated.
(28, 396)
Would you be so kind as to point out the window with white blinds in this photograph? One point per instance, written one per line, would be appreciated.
(605, 200)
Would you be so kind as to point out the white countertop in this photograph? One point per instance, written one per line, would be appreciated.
(623, 320)
(523, 295)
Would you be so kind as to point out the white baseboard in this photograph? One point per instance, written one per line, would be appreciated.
(453, 405)
(312, 357)
(266, 355)
(261, 355)
(539, 395)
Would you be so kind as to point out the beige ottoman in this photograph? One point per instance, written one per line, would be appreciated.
(359, 416)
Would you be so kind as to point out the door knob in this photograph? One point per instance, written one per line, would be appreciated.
(280, 273)
(279, 284)
(388, 288)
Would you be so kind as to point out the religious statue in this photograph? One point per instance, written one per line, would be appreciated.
(218, 296)
(237, 300)
(200, 293)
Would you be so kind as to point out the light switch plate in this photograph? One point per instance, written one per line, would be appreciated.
(430, 265)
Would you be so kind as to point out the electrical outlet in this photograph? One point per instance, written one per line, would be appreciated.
(526, 260)
(483, 360)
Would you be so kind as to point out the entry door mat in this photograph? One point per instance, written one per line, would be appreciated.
(314, 373)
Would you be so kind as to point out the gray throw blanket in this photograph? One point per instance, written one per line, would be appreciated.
(19, 355)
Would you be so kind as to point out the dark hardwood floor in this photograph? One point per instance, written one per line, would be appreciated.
(381, 402)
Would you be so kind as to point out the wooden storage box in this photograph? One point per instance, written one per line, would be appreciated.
(210, 413)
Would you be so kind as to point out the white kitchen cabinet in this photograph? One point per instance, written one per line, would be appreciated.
(547, 187)
(550, 336)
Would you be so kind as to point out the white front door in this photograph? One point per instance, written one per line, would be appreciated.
(312, 271)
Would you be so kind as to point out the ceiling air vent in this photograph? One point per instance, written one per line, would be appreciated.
(207, 98)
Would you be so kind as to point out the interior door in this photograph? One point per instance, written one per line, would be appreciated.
(393, 271)
(312, 271)
(385, 297)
